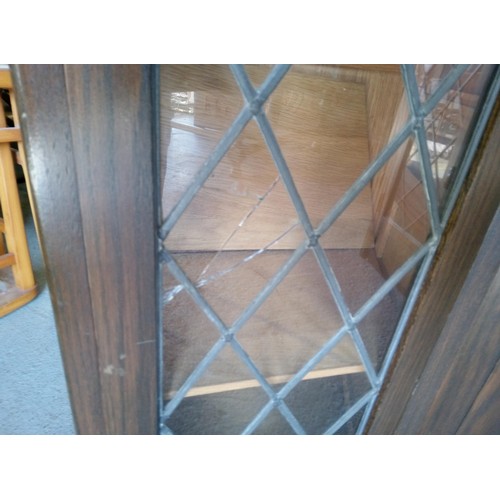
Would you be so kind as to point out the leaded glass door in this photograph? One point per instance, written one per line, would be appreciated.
(302, 207)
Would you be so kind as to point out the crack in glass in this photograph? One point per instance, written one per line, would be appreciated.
(254, 101)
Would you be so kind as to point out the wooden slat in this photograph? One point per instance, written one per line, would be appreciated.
(6, 260)
(278, 379)
(13, 241)
(15, 234)
(93, 186)
(5, 77)
(20, 156)
(13, 298)
(10, 134)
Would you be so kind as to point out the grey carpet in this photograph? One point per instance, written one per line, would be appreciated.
(33, 392)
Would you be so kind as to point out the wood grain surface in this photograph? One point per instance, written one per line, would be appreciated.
(14, 251)
(458, 251)
(483, 417)
(89, 131)
(466, 353)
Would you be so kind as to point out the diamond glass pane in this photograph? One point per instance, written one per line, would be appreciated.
(317, 404)
(198, 104)
(188, 335)
(274, 424)
(378, 326)
(221, 413)
(321, 126)
(230, 280)
(449, 123)
(293, 324)
(402, 230)
(257, 73)
(243, 205)
(352, 425)
(294, 239)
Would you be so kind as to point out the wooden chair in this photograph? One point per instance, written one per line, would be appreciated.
(17, 288)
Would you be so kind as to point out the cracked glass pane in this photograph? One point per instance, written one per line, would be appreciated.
(239, 229)
(243, 205)
(242, 240)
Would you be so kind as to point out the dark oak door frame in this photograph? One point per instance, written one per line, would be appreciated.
(445, 367)
(90, 141)
(90, 154)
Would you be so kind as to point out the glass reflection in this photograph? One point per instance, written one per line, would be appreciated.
(242, 227)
